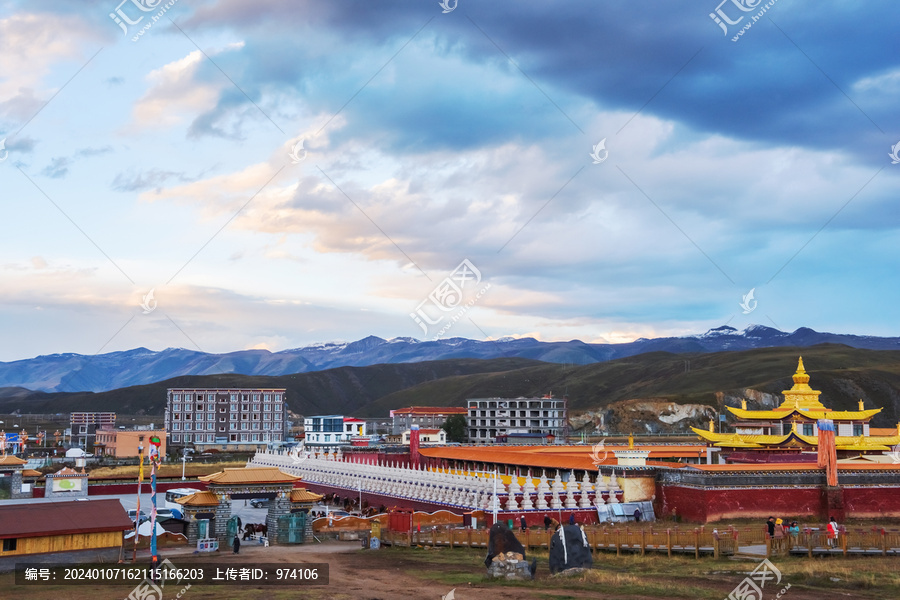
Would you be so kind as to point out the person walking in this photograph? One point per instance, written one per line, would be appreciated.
(794, 531)
(236, 544)
(833, 531)
(546, 522)
(637, 515)
(571, 518)
(778, 541)
(770, 526)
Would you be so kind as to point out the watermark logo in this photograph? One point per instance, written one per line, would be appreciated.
(445, 4)
(123, 20)
(600, 153)
(749, 303)
(4, 153)
(596, 457)
(148, 588)
(448, 297)
(895, 455)
(752, 585)
(451, 595)
(895, 153)
(298, 453)
(298, 153)
(721, 18)
(148, 302)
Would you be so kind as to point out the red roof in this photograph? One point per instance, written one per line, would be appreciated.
(62, 518)
(432, 410)
(421, 431)
(353, 420)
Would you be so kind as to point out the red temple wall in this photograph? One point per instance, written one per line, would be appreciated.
(711, 505)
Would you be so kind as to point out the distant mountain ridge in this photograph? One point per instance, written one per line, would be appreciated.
(140, 366)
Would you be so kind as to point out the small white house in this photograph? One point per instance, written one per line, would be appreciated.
(75, 453)
(427, 437)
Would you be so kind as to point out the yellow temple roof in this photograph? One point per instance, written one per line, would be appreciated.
(735, 440)
(782, 413)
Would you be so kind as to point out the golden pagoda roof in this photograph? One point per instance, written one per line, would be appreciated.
(801, 396)
(735, 440)
(304, 495)
(782, 413)
(206, 498)
(249, 475)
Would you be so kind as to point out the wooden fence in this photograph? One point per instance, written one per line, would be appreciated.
(697, 541)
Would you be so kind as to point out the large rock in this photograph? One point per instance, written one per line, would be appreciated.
(500, 541)
(569, 549)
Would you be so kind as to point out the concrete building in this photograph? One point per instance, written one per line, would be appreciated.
(432, 417)
(84, 426)
(226, 419)
(332, 430)
(427, 437)
(490, 418)
(124, 443)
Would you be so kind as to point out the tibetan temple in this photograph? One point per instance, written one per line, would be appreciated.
(789, 433)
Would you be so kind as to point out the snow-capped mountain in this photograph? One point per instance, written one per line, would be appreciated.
(75, 372)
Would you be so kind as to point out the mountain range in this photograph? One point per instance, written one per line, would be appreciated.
(140, 366)
(655, 379)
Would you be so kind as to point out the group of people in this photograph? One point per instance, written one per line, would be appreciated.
(778, 532)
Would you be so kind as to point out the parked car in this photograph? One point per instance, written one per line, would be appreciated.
(132, 514)
(167, 513)
(260, 502)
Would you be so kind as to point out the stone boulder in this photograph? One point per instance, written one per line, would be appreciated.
(569, 549)
(501, 541)
(511, 565)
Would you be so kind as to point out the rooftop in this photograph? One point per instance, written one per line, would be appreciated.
(63, 518)
(249, 475)
(205, 498)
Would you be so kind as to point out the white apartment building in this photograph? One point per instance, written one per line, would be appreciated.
(332, 430)
(227, 419)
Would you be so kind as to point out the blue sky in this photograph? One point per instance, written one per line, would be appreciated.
(429, 138)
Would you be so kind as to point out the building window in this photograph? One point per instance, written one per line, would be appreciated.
(277, 397)
(807, 429)
(176, 438)
(176, 426)
(244, 426)
(209, 437)
(267, 407)
(857, 430)
(254, 437)
(243, 437)
(176, 397)
(267, 397)
(9, 545)
(267, 425)
(187, 437)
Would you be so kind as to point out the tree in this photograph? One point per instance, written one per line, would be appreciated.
(455, 426)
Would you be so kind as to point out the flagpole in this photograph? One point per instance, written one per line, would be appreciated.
(137, 516)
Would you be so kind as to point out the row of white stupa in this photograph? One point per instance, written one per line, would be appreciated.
(442, 487)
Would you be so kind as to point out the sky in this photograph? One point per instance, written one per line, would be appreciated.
(224, 174)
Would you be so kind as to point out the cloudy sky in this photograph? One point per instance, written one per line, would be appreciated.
(282, 173)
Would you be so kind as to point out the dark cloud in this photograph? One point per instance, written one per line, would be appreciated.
(58, 168)
(147, 180)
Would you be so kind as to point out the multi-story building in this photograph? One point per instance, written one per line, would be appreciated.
(508, 418)
(332, 430)
(432, 417)
(227, 419)
(124, 443)
(84, 426)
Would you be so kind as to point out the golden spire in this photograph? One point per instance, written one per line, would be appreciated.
(800, 376)
(744, 403)
(710, 424)
(631, 440)
(862, 405)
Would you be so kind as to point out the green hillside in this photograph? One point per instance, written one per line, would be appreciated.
(843, 374)
(345, 390)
